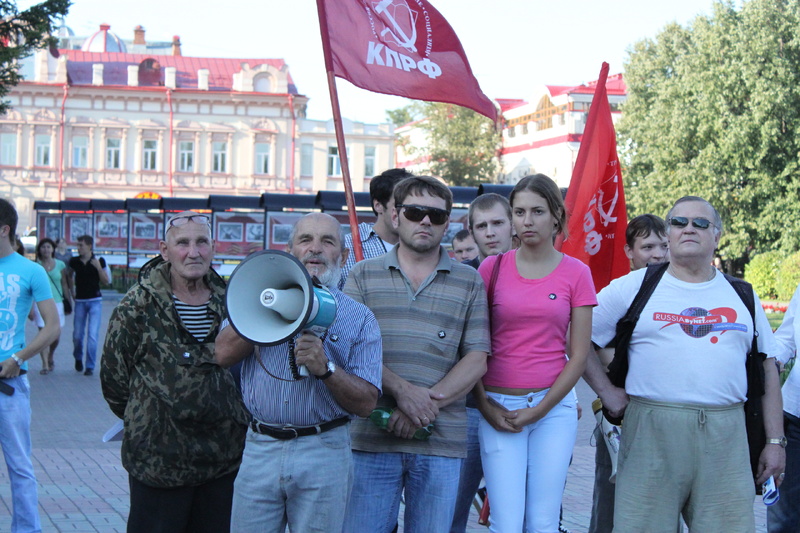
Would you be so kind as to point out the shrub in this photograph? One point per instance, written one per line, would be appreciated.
(788, 277)
(762, 273)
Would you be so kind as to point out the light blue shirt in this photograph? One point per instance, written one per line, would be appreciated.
(353, 343)
(22, 282)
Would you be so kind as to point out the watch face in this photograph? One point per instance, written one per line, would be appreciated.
(331, 366)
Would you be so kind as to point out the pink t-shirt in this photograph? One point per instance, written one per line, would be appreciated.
(530, 318)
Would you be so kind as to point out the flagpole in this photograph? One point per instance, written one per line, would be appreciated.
(339, 129)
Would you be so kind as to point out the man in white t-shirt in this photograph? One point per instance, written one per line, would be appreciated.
(684, 448)
(645, 244)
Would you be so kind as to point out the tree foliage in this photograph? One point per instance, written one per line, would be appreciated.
(762, 273)
(21, 32)
(713, 109)
(462, 145)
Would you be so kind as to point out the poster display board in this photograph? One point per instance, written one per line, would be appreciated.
(50, 226)
(111, 231)
(144, 232)
(237, 235)
(75, 226)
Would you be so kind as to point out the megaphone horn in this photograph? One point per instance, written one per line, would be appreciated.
(271, 298)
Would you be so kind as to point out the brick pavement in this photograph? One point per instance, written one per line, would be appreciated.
(83, 487)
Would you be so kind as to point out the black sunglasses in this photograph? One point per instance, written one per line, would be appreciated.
(415, 213)
(682, 222)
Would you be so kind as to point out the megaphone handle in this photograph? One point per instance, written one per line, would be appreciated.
(298, 371)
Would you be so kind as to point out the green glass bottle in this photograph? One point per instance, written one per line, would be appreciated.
(381, 415)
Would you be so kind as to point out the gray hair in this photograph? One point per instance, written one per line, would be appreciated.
(717, 219)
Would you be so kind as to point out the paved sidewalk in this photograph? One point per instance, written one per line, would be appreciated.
(83, 487)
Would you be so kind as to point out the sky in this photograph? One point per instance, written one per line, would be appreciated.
(514, 46)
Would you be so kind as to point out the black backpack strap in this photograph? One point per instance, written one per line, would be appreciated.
(618, 368)
(754, 367)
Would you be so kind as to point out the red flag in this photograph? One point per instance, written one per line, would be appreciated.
(400, 47)
(596, 200)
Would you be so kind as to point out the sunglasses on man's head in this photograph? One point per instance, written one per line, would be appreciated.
(415, 213)
(682, 222)
(185, 219)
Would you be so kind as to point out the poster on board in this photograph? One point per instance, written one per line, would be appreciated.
(143, 232)
(110, 231)
(237, 235)
(76, 226)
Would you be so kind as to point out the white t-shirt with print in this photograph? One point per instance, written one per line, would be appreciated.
(691, 340)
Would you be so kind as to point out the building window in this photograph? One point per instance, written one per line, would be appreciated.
(369, 161)
(186, 156)
(42, 151)
(334, 164)
(149, 155)
(113, 153)
(219, 156)
(8, 149)
(80, 148)
(525, 129)
(262, 158)
(306, 159)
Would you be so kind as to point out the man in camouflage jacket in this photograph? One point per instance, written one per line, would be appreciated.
(184, 419)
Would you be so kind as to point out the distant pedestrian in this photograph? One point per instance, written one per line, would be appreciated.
(89, 272)
(60, 289)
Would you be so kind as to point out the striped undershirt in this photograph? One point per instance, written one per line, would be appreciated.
(195, 318)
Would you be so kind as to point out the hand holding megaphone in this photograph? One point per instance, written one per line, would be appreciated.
(309, 354)
(271, 299)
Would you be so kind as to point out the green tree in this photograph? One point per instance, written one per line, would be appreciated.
(762, 273)
(462, 145)
(713, 110)
(21, 32)
(400, 116)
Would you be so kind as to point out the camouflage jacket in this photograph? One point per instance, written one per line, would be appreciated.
(185, 421)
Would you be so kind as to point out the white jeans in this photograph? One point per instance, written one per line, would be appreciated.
(525, 472)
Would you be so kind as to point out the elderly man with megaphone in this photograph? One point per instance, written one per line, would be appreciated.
(297, 464)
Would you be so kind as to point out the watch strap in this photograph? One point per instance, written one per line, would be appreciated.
(779, 441)
(17, 359)
(327, 374)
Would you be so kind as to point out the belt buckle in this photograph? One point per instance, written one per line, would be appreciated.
(293, 430)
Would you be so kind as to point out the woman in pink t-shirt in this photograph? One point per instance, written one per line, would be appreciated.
(529, 414)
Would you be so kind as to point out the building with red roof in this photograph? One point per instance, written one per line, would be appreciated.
(109, 118)
(540, 135)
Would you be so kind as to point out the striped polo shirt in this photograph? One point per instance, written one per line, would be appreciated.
(425, 333)
(353, 343)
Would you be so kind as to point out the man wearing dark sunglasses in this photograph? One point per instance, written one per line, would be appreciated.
(433, 319)
(684, 448)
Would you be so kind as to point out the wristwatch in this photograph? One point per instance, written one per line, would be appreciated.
(331, 369)
(17, 359)
(781, 441)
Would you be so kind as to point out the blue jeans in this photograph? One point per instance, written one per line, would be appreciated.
(784, 516)
(379, 481)
(15, 439)
(86, 311)
(304, 482)
(471, 474)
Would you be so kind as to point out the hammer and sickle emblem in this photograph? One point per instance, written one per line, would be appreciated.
(397, 32)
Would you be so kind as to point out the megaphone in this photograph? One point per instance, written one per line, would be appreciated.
(271, 298)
